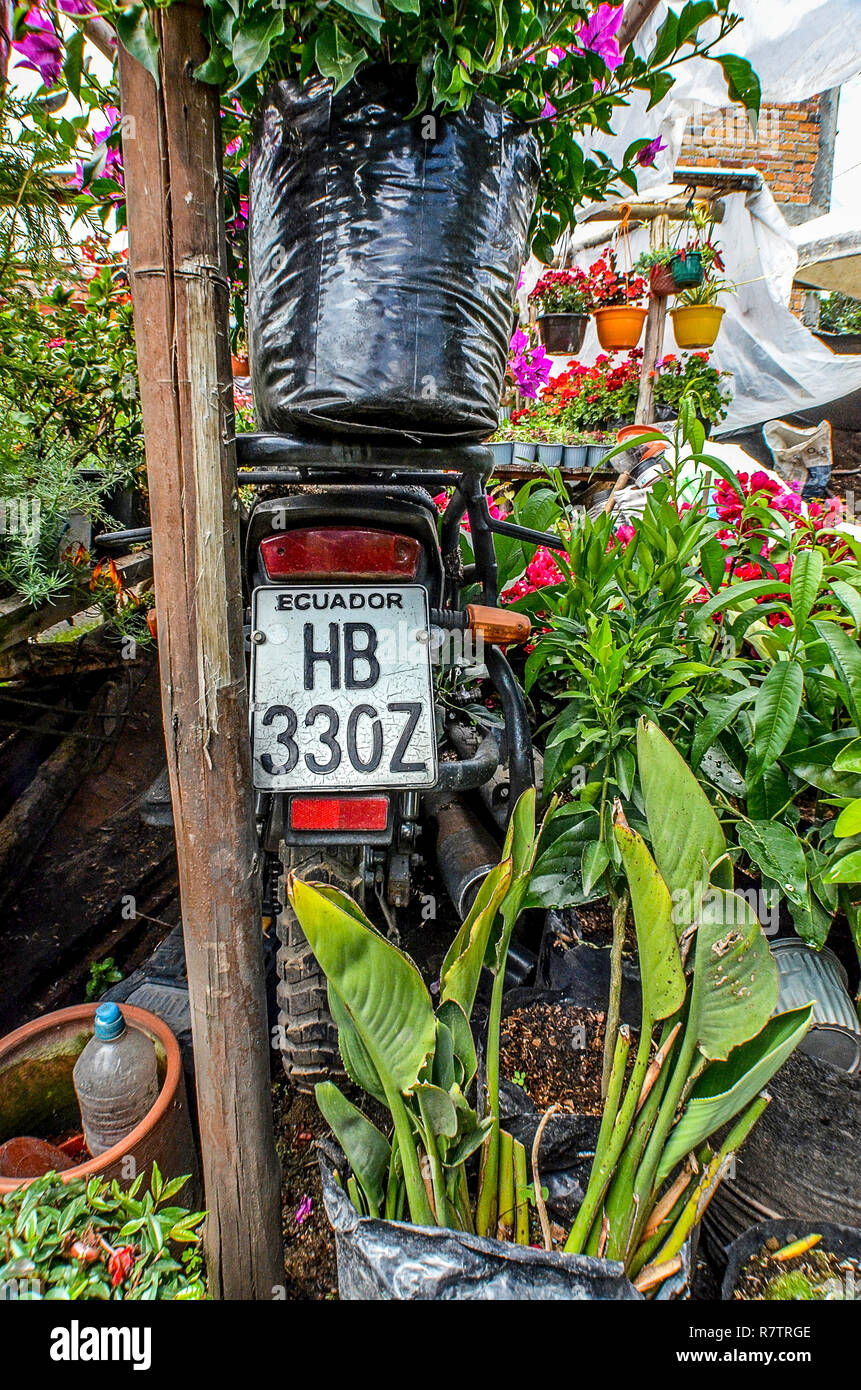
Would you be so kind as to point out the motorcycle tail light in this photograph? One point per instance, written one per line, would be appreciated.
(340, 552)
(339, 812)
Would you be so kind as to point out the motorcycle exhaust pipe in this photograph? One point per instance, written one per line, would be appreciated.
(465, 851)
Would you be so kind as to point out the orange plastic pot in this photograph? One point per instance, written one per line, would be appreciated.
(696, 325)
(620, 325)
(37, 1097)
(629, 434)
(239, 366)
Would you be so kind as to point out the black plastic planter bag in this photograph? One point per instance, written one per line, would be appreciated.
(844, 1241)
(382, 1260)
(384, 254)
(800, 1160)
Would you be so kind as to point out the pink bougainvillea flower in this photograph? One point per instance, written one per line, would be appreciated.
(41, 47)
(598, 35)
(304, 1209)
(529, 366)
(649, 153)
(56, 342)
(548, 110)
(75, 6)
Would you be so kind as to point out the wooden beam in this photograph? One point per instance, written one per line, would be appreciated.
(653, 344)
(635, 16)
(177, 263)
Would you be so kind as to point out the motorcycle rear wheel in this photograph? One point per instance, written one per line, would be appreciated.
(307, 1033)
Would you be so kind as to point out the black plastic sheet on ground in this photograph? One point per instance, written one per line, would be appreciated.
(383, 254)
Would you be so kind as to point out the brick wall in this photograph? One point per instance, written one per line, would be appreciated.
(793, 149)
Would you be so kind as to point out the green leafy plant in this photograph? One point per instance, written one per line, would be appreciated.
(103, 974)
(419, 1061)
(840, 313)
(708, 1043)
(88, 1239)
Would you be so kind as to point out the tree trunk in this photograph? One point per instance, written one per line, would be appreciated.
(172, 156)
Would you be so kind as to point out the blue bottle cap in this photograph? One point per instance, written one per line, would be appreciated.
(110, 1023)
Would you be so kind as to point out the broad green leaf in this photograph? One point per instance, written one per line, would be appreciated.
(660, 963)
(846, 655)
(366, 14)
(463, 964)
(713, 563)
(849, 820)
(336, 56)
(779, 854)
(367, 1150)
(380, 988)
(467, 1144)
(683, 827)
(850, 598)
(849, 757)
(452, 1015)
(437, 1109)
(737, 596)
(742, 83)
(594, 861)
(804, 584)
(845, 870)
(444, 1072)
(720, 712)
(251, 42)
(726, 1087)
(775, 711)
(735, 983)
(354, 1054)
(137, 36)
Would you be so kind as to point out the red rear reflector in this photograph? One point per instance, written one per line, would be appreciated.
(330, 552)
(339, 813)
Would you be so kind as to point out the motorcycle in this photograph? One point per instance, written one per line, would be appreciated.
(370, 672)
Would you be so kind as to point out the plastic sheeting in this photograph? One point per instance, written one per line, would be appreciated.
(383, 259)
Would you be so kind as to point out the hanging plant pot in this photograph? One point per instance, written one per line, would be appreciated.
(679, 273)
(696, 325)
(687, 270)
(620, 325)
(562, 333)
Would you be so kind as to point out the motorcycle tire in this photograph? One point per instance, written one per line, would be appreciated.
(308, 1036)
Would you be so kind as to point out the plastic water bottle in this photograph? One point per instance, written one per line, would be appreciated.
(116, 1080)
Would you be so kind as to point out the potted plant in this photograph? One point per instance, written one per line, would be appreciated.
(693, 374)
(617, 303)
(707, 1045)
(794, 1260)
(697, 315)
(562, 301)
(672, 268)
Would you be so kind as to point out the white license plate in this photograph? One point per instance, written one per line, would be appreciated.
(341, 688)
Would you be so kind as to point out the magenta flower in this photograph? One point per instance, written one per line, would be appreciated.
(548, 110)
(75, 6)
(304, 1209)
(41, 47)
(56, 342)
(529, 366)
(649, 153)
(599, 34)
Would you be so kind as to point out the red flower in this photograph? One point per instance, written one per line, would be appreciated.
(121, 1264)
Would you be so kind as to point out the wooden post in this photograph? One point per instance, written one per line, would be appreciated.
(654, 341)
(172, 155)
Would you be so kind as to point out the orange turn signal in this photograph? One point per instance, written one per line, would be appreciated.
(497, 626)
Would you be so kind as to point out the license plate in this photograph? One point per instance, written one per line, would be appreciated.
(341, 688)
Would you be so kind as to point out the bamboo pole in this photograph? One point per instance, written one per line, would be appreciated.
(172, 157)
(653, 344)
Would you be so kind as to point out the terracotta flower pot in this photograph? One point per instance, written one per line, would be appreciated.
(620, 325)
(37, 1097)
(562, 333)
(239, 366)
(696, 325)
